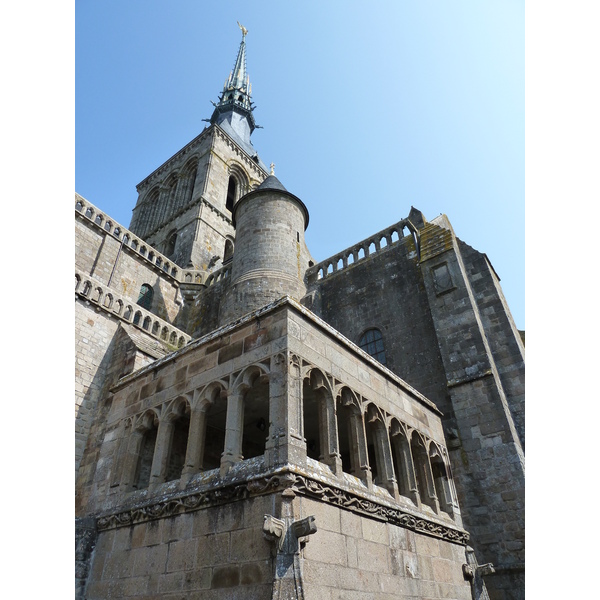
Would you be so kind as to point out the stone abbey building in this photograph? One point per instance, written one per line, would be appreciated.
(251, 424)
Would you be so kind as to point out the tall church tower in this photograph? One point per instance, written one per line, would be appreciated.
(184, 208)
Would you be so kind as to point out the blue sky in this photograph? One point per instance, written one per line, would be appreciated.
(367, 109)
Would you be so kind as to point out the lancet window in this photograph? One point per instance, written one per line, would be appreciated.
(144, 442)
(179, 422)
(171, 243)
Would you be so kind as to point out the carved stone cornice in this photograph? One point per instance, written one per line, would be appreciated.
(276, 482)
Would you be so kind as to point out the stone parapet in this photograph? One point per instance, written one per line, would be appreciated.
(106, 299)
(362, 250)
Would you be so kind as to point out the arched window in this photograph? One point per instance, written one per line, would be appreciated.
(214, 434)
(179, 441)
(170, 245)
(145, 297)
(228, 254)
(256, 417)
(146, 443)
(231, 192)
(423, 472)
(372, 343)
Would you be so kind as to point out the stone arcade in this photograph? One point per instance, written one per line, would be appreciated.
(250, 424)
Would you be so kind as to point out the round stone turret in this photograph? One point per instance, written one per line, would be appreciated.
(270, 256)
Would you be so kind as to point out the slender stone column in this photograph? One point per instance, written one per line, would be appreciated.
(406, 477)
(384, 460)
(196, 442)
(162, 449)
(358, 444)
(330, 448)
(234, 425)
(430, 491)
(131, 459)
(120, 455)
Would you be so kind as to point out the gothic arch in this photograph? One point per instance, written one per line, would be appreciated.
(150, 211)
(419, 447)
(248, 405)
(351, 434)
(441, 478)
(402, 460)
(177, 419)
(319, 422)
(208, 426)
(187, 183)
(143, 442)
(378, 448)
(228, 251)
(238, 184)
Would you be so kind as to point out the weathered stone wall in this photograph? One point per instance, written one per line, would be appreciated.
(94, 334)
(221, 552)
(116, 265)
(124, 356)
(503, 337)
(201, 316)
(216, 553)
(365, 377)
(85, 542)
(171, 189)
(354, 557)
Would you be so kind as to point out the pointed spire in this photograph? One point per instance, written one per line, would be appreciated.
(235, 103)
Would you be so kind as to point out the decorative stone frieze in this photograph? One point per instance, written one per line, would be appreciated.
(300, 484)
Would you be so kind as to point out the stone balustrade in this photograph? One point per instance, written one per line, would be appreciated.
(106, 299)
(134, 243)
(362, 250)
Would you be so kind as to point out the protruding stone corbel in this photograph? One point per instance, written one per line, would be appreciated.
(474, 573)
(273, 530)
(290, 536)
(303, 528)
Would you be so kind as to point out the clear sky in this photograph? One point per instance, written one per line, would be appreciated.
(367, 109)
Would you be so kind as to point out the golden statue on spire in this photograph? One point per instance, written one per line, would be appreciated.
(244, 30)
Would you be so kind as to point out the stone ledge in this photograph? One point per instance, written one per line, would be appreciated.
(277, 481)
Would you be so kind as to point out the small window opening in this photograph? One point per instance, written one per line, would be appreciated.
(179, 443)
(346, 449)
(144, 465)
(145, 298)
(214, 438)
(311, 409)
(372, 343)
(170, 247)
(231, 192)
(228, 254)
(256, 419)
